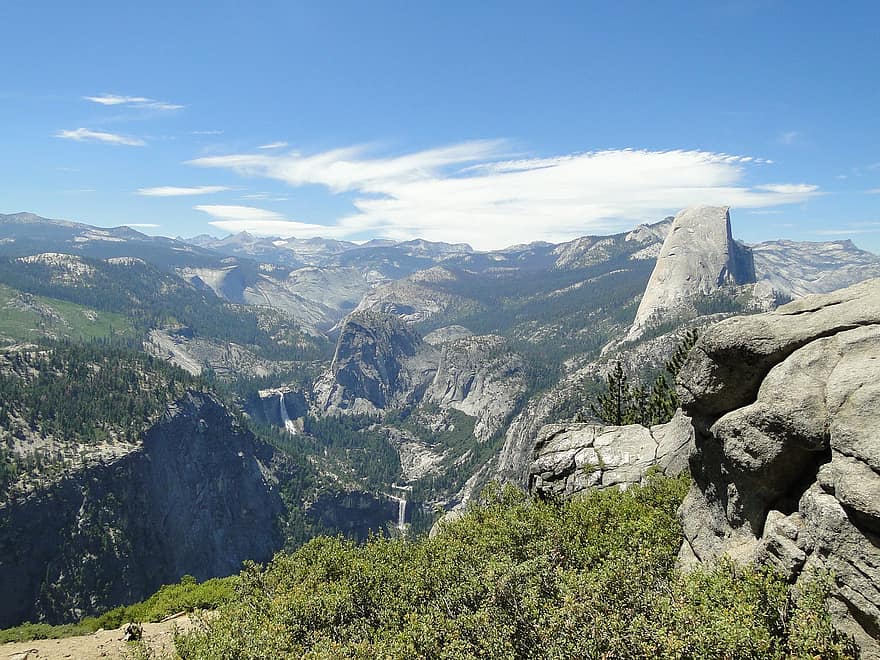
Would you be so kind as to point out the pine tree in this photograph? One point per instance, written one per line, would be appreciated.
(613, 406)
(623, 403)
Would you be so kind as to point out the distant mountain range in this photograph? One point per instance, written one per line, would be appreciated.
(426, 365)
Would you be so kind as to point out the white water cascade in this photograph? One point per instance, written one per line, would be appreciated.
(401, 507)
(288, 423)
(401, 512)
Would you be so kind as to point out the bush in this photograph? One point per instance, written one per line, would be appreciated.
(518, 578)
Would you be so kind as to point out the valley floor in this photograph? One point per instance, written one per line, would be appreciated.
(101, 645)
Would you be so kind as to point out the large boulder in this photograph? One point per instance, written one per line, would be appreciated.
(786, 460)
(570, 458)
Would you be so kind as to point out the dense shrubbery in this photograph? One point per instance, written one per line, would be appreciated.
(516, 578)
(187, 595)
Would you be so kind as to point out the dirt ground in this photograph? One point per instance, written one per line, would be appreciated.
(102, 645)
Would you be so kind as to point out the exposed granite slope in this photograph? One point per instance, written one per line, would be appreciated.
(787, 446)
(698, 257)
(379, 363)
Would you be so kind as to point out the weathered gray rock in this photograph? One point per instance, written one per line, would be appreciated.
(379, 363)
(570, 458)
(797, 269)
(698, 257)
(482, 377)
(786, 459)
(730, 361)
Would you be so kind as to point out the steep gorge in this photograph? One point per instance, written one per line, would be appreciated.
(197, 496)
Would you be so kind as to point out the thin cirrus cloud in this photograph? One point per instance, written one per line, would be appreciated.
(233, 219)
(475, 192)
(851, 229)
(141, 102)
(273, 145)
(88, 135)
(179, 191)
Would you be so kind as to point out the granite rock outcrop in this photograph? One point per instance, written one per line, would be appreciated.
(786, 459)
(698, 257)
(571, 458)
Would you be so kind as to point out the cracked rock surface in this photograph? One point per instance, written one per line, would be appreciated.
(570, 458)
(786, 458)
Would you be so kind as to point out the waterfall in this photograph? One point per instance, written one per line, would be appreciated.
(288, 423)
(401, 506)
(401, 513)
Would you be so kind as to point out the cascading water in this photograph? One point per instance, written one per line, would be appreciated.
(401, 506)
(285, 418)
(401, 514)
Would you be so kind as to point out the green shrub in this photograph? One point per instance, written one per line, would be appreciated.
(518, 578)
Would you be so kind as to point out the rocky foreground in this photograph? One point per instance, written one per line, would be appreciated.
(157, 639)
(787, 446)
(780, 425)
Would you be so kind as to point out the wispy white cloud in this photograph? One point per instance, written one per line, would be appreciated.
(273, 145)
(133, 102)
(87, 135)
(851, 228)
(216, 132)
(789, 188)
(790, 137)
(233, 219)
(264, 196)
(177, 191)
(873, 191)
(475, 192)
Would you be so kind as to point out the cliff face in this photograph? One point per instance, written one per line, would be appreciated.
(481, 377)
(786, 463)
(379, 363)
(698, 257)
(195, 497)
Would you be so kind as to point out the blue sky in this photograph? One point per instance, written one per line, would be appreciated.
(492, 122)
